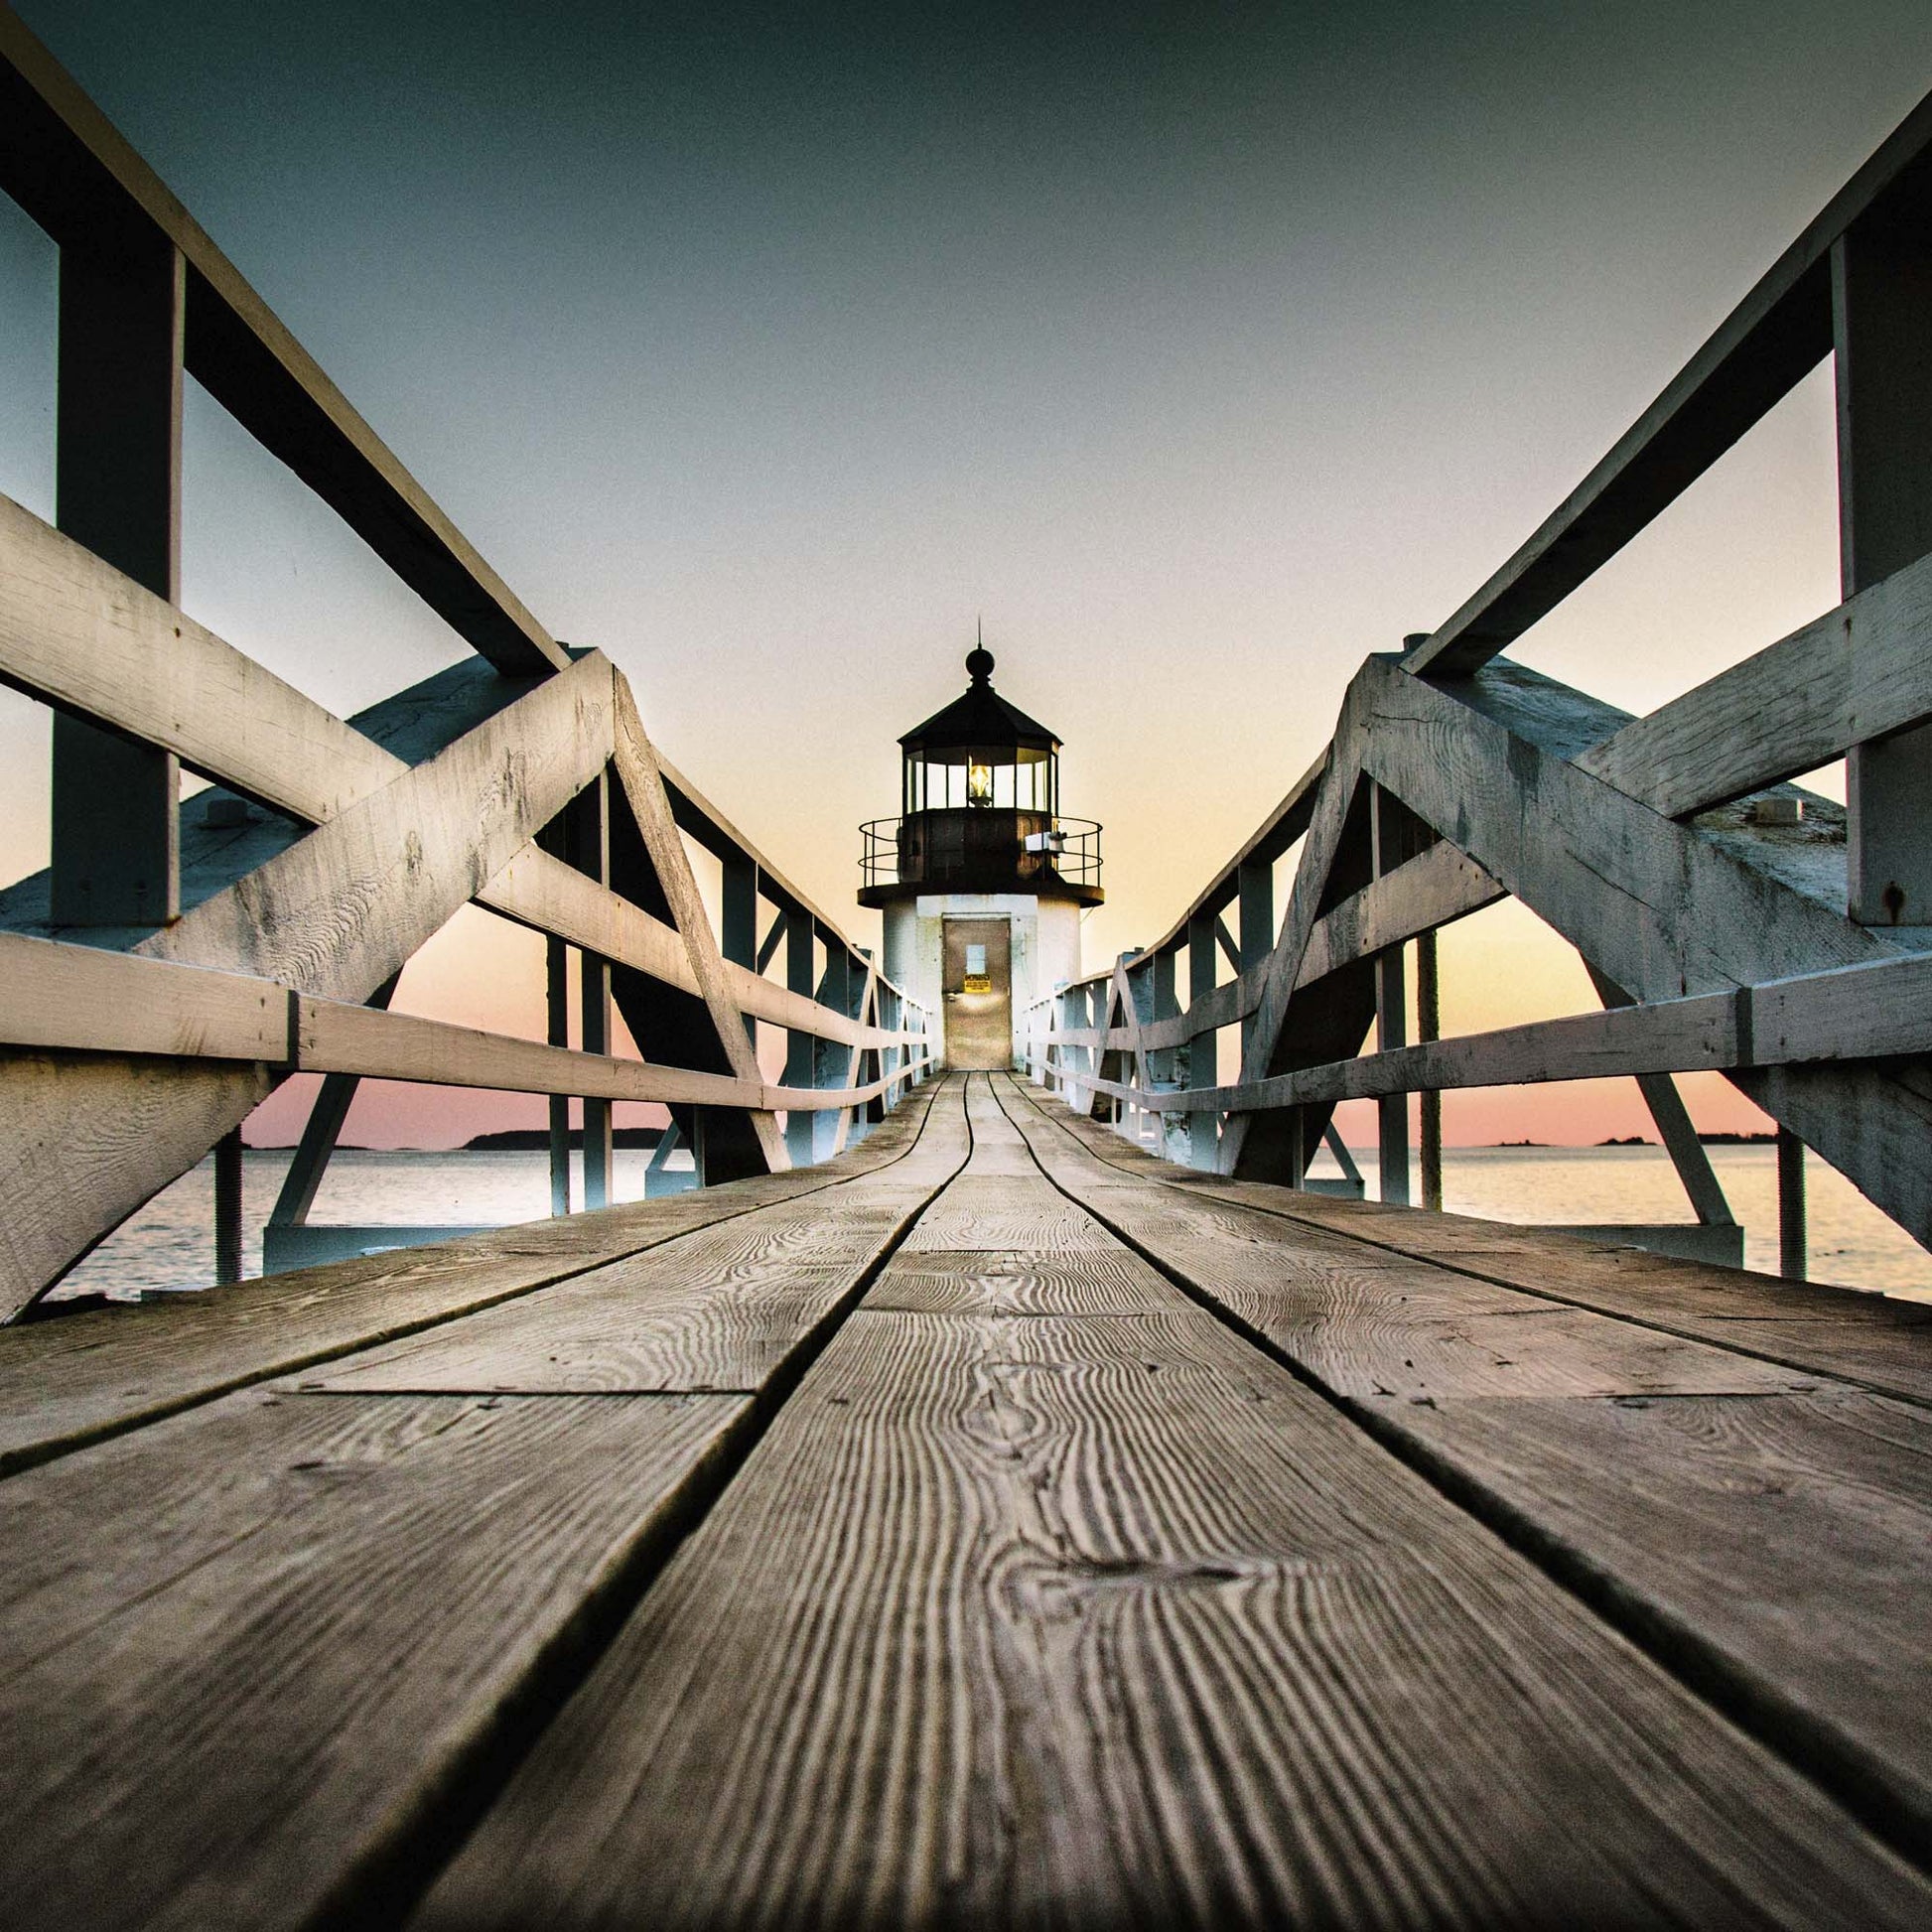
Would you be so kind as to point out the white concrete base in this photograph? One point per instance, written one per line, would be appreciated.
(1045, 946)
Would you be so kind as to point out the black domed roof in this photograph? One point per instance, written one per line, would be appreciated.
(982, 721)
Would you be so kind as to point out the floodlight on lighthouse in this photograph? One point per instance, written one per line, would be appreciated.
(979, 784)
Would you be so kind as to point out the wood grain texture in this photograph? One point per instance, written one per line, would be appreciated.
(1784, 1545)
(716, 1310)
(1859, 671)
(337, 913)
(1396, 1335)
(543, 893)
(635, 763)
(1733, 1524)
(306, 1621)
(53, 994)
(1870, 1340)
(1017, 1281)
(1661, 909)
(80, 634)
(249, 1648)
(1100, 1622)
(71, 1381)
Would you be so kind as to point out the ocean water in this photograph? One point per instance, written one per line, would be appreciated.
(168, 1245)
(1851, 1243)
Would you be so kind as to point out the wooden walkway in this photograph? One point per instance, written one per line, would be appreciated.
(994, 1526)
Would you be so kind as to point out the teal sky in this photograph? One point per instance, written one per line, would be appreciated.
(1202, 349)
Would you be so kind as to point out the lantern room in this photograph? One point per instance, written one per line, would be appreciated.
(980, 807)
(982, 879)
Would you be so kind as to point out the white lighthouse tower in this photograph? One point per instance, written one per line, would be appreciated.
(981, 879)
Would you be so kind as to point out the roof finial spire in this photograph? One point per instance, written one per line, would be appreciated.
(979, 661)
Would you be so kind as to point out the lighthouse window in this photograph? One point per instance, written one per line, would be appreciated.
(976, 962)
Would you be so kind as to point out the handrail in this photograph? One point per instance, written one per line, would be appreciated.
(1731, 920)
(333, 848)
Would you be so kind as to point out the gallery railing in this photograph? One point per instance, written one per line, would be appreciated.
(971, 849)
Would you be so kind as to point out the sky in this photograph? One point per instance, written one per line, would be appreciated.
(1197, 350)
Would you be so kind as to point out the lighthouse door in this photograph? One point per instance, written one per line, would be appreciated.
(975, 980)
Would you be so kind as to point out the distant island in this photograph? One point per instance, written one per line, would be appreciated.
(1738, 1140)
(536, 1140)
(1629, 1140)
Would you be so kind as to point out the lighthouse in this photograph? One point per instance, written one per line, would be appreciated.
(982, 879)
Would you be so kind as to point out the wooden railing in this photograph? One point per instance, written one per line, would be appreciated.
(176, 961)
(1728, 921)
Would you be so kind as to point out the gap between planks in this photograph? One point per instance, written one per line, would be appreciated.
(82, 1379)
(1853, 1354)
(322, 1658)
(1091, 1622)
(1835, 1705)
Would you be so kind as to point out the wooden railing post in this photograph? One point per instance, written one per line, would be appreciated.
(1794, 1259)
(1255, 888)
(829, 1059)
(1391, 1013)
(117, 489)
(738, 939)
(1882, 295)
(1203, 1149)
(801, 1058)
(590, 842)
(1138, 1009)
(1429, 1027)
(1168, 1066)
(556, 1006)
(227, 1206)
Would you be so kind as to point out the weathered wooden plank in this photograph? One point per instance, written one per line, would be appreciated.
(344, 907)
(1000, 1213)
(67, 1382)
(543, 893)
(1665, 1035)
(1784, 1545)
(338, 1037)
(635, 763)
(338, 912)
(1860, 670)
(1017, 1281)
(1432, 890)
(714, 1310)
(1659, 909)
(79, 633)
(1869, 1340)
(1533, 1410)
(1855, 1013)
(1395, 1337)
(321, 1620)
(308, 1621)
(1058, 1620)
(107, 1001)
